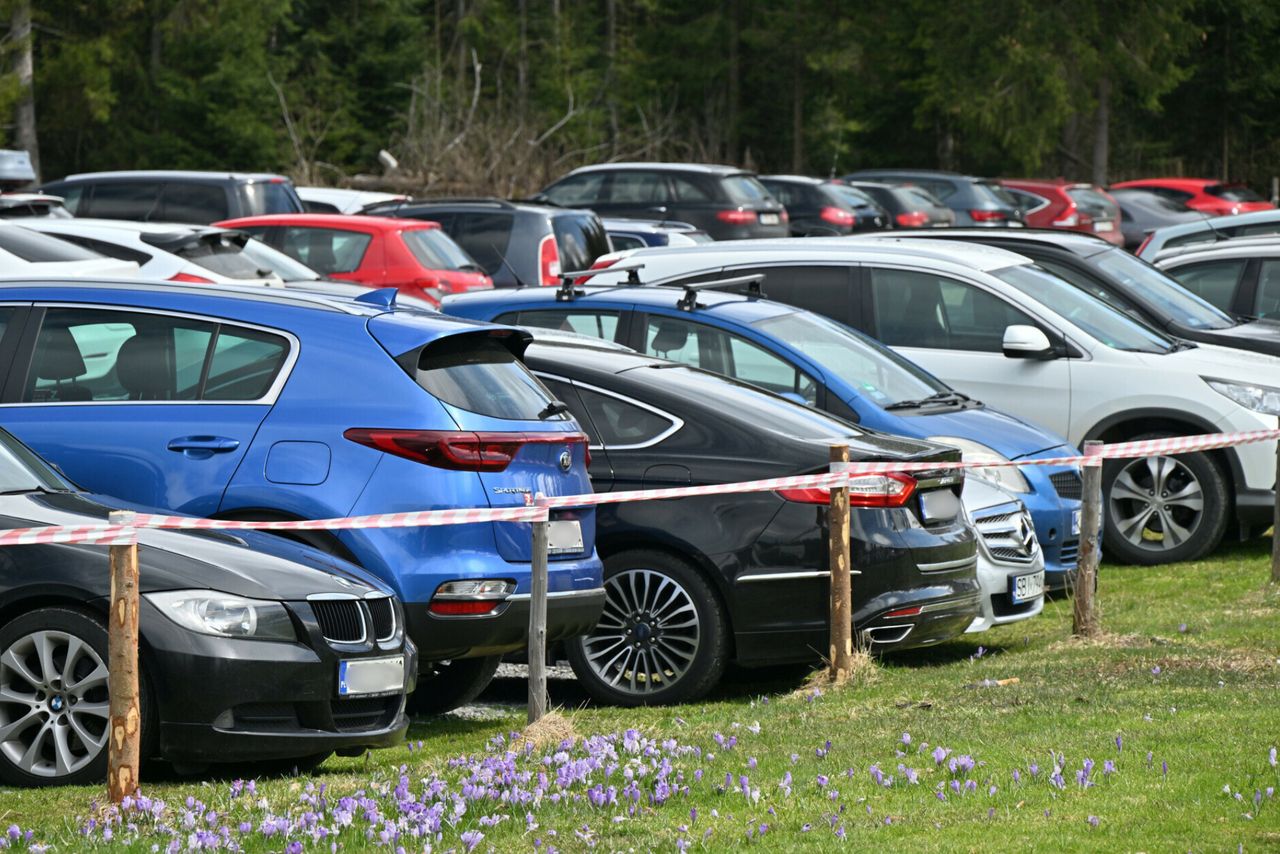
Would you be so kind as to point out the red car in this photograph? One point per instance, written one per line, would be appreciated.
(378, 251)
(1203, 194)
(1073, 207)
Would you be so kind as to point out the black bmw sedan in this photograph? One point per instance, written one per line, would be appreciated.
(697, 582)
(253, 649)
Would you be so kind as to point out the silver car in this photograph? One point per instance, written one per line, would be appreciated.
(1010, 563)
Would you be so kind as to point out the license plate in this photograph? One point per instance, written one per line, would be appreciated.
(371, 676)
(564, 536)
(1104, 226)
(1024, 588)
(939, 505)
(769, 219)
(1075, 523)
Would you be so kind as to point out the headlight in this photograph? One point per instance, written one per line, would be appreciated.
(1259, 398)
(1006, 477)
(211, 613)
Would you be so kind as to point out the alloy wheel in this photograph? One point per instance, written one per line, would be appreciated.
(648, 635)
(1156, 503)
(53, 703)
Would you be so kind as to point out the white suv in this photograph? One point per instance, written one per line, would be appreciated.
(992, 324)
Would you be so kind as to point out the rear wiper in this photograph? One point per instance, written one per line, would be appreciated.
(555, 407)
(474, 268)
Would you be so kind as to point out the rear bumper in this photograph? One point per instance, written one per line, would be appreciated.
(506, 629)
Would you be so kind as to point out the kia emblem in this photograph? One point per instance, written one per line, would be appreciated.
(566, 461)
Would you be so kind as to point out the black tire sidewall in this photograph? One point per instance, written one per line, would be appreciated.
(458, 683)
(1213, 520)
(713, 649)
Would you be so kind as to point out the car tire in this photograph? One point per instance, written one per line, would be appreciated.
(444, 686)
(663, 637)
(1141, 528)
(65, 741)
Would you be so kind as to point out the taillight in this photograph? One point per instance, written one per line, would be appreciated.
(783, 216)
(1143, 245)
(188, 277)
(905, 612)
(1070, 219)
(457, 450)
(837, 216)
(548, 261)
(988, 216)
(873, 490)
(735, 216)
(914, 219)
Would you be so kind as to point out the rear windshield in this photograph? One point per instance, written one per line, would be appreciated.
(1093, 203)
(288, 268)
(436, 250)
(581, 239)
(1233, 193)
(921, 196)
(41, 248)
(222, 256)
(478, 374)
(852, 196)
(745, 190)
(986, 192)
(483, 236)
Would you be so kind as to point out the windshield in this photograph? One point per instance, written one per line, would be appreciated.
(859, 361)
(1157, 288)
(1090, 314)
(22, 471)
(288, 269)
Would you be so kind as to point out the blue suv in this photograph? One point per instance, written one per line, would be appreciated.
(813, 360)
(258, 404)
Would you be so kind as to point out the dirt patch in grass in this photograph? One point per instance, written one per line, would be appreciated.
(553, 729)
(864, 670)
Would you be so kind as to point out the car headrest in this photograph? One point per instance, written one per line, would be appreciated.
(670, 336)
(142, 368)
(57, 355)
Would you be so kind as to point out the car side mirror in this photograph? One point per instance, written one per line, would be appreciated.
(1027, 342)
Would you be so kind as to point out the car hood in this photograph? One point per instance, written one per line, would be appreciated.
(1003, 433)
(980, 495)
(1222, 363)
(245, 563)
(1265, 333)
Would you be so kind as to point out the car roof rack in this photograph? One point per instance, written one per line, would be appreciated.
(566, 292)
(689, 301)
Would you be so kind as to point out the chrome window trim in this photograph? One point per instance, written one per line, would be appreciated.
(676, 422)
(268, 399)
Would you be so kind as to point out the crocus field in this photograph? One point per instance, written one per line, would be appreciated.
(1161, 737)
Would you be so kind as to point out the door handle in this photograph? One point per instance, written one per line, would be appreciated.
(195, 445)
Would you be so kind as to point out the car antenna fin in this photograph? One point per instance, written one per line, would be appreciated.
(381, 297)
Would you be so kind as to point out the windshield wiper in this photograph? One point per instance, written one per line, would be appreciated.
(41, 489)
(1179, 346)
(555, 407)
(943, 397)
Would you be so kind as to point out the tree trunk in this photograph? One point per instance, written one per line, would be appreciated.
(610, 78)
(522, 64)
(23, 69)
(797, 120)
(732, 139)
(1102, 133)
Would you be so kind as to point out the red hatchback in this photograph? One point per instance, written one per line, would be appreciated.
(1072, 207)
(1202, 194)
(409, 254)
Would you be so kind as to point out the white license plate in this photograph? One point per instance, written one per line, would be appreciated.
(371, 676)
(564, 536)
(769, 219)
(939, 505)
(1075, 523)
(1024, 588)
(1104, 226)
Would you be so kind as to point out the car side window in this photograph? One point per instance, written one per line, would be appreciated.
(620, 423)
(198, 203)
(128, 200)
(781, 192)
(597, 324)
(635, 187)
(923, 310)
(823, 290)
(325, 250)
(577, 189)
(684, 190)
(625, 241)
(85, 355)
(1213, 281)
(1267, 302)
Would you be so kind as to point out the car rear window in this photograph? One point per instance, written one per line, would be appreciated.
(987, 192)
(852, 196)
(1093, 203)
(270, 197)
(42, 248)
(1233, 193)
(479, 374)
(581, 239)
(222, 256)
(436, 250)
(482, 235)
(745, 189)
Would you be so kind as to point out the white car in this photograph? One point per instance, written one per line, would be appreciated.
(1010, 563)
(27, 253)
(992, 324)
(1208, 231)
(331, 200)
(1239, 276)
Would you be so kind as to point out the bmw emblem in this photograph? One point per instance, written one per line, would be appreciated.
(56, 704)
(566, 461)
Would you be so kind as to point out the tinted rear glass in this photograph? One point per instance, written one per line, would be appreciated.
(484, 236)
(436, 250)
(581, 239)
(127, 200)
(41, 248)
(1233, 193)
(269, 197)
(222, 256)
(478, 374)
(993, 193)
(852, 196)
(745, 190)
(1093, 203)
(198, 203)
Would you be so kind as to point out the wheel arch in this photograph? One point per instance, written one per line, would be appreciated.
(325, 541)
(1123, 426)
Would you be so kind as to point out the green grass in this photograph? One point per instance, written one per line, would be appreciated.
(1211, 713)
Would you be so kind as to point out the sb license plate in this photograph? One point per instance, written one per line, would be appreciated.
(939, 505)
(1024, 588)
(564, 537)
(1075, 523)
(769, 219)
(1104, 226)
(371, 676)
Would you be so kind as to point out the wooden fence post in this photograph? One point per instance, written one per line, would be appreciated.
(537, 654)
(841, 581)
(1275, 529)
(1085, 622)
(124, 704)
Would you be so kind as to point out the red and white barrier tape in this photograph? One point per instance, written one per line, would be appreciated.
(109, 535)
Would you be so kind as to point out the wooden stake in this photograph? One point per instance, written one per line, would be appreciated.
(124, 706)
(1085, 622)
(841, 656)
(538, 625)
(1275, 527)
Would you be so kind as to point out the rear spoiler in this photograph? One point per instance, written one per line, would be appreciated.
(177, 241)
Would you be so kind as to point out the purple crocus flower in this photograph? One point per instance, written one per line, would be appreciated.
(1094, 820)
